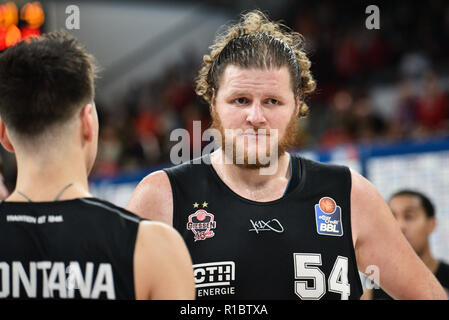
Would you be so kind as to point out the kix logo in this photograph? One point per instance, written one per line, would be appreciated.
(328, 217)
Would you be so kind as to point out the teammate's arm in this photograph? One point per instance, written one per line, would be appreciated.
(379, 241)
(162, 264)
(152, 199)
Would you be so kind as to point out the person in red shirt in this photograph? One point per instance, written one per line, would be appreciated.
(432, 107)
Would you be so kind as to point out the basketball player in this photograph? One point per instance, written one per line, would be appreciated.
(298, 233)
(416, 216)
(56, 240)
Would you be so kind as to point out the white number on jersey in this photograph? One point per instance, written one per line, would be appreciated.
(307, 268)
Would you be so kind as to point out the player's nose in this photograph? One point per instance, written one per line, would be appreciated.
(256, 115)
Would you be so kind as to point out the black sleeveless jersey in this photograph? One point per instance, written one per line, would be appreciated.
(74, 249)
(297, 247)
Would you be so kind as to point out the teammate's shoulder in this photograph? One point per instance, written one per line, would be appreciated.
(103, 206)
(156, 227)
(151, 232)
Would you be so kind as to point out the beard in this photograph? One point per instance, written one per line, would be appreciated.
(284, 143)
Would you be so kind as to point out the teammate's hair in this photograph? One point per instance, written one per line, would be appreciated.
(425, 201)
(257, 42)
(43, 82)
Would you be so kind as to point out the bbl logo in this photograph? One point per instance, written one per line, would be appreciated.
(328, 217)
(201, 223)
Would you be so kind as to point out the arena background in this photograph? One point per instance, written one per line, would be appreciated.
(381, 105)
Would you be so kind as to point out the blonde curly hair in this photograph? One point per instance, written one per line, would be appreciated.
(255, 41)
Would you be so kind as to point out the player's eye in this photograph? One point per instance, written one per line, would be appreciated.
(272, 101)
(241, 101)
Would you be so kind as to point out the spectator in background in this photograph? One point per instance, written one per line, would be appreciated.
(367, 125)
(348, 56)
(376, 51)
(414, 63)
(416, 216)
(403, 121)
(432, 109)
(339, 121)
(108, 152)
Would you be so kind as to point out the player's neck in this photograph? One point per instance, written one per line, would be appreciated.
(241, 178)
(44, 178)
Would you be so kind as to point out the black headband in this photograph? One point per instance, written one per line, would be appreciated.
(239, 42)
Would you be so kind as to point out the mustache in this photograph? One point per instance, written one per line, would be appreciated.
(258, 132)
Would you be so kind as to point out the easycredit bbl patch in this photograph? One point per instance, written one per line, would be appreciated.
(328, 218)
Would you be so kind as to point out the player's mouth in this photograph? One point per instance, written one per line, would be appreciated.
(261, 133)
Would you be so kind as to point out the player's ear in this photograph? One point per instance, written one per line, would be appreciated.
(4, 138)
(87, 118)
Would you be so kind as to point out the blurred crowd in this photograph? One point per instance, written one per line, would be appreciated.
(136, 135)
(420, 110)
(408, 55)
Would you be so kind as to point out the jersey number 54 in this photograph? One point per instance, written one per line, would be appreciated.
(307, 269)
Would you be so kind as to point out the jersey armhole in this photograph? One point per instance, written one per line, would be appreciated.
(133, 259)
(171, 179)
(354, 256)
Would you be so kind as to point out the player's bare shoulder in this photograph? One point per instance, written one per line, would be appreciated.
(364, 193)
(155, 232)
(367, 204)
(171, 277)
(152, 199)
